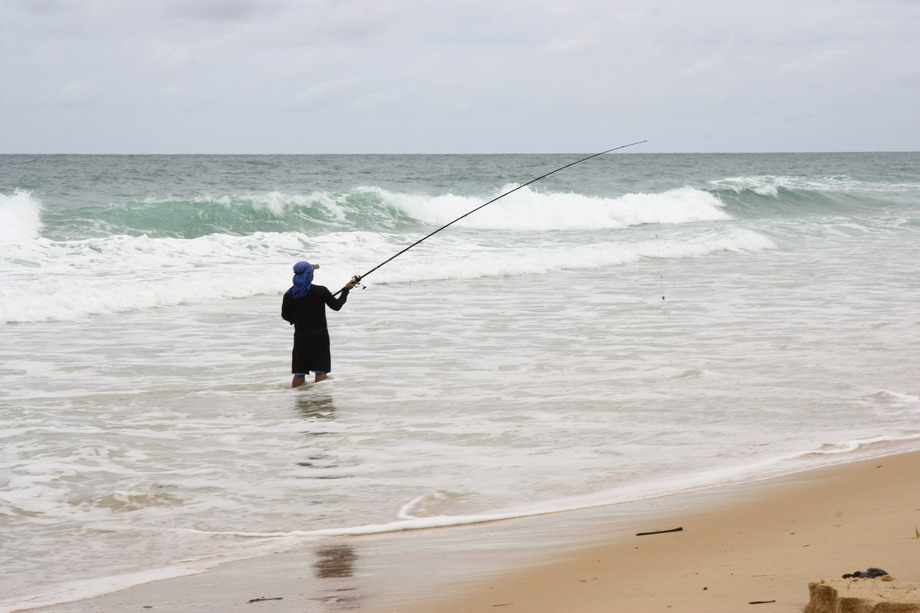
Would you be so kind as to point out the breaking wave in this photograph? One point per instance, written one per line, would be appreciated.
(374, 209)
(20, 217)
(122, 273)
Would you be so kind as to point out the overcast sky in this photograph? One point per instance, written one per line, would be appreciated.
(463, 76)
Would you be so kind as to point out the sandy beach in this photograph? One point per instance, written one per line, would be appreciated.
(751, 547)
(760, 545)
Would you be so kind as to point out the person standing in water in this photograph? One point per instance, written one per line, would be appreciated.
(304, 307)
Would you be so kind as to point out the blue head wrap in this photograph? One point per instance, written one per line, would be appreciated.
(303, 279)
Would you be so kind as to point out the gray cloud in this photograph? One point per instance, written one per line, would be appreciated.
(241, 76)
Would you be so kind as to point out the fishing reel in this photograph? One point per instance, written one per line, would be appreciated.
(357, 281)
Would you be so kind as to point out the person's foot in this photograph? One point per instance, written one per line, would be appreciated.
(320, 376)
(298, 380)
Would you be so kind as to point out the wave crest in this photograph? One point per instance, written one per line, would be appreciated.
(374, 209)
(773, 185)
(530, 210)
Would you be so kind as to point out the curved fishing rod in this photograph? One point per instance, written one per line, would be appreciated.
(357, 278)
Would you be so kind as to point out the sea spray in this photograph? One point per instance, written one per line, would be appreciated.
(20, 217)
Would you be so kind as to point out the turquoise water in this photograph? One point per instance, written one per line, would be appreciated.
(634, 326)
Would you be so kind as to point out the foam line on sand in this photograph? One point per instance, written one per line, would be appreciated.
(757, 543)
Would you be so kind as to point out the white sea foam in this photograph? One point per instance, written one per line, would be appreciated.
(531, 210)
(888, 398)
(872, 447)
(121, 273)
(458, 263)
(20, 217)
(769, 185)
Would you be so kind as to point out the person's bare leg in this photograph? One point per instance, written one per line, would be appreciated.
(298, 380)
(319, 377)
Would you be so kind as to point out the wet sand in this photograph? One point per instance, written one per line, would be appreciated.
(755, 543)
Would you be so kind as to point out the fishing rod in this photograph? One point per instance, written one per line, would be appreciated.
(357, 278)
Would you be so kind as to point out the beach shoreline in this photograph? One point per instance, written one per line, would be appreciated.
(757, 542)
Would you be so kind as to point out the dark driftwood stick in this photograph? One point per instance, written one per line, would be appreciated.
(263, 599)
(761, 601)
(659, 532)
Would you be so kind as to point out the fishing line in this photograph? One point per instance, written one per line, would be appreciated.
(661, 273)
(357, 278)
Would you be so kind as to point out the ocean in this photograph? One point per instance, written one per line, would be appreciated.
(634, 326)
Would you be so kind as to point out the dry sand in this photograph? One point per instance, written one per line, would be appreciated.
(759, 543)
